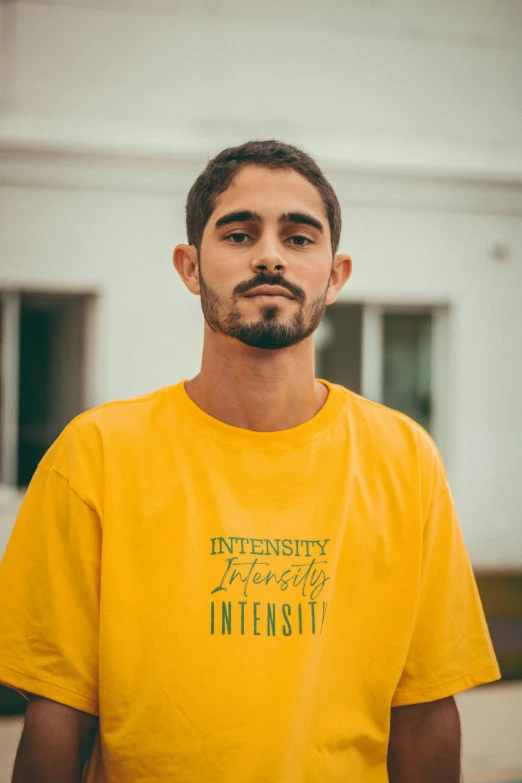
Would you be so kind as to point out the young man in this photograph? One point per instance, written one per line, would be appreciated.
(252, 576)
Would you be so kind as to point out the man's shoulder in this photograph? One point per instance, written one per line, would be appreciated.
(122, 410)
(390, 443)
(109, 424)
(380, 415)
(390, 431)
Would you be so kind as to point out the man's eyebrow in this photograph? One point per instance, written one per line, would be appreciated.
(239, 216)
(303, 219)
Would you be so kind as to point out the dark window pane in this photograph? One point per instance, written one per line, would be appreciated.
(339, 354)
(37, 338)
(407, 364)
(52, 336)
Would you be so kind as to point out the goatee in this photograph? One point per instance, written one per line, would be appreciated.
(266, 333)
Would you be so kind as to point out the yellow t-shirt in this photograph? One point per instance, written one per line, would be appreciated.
(238, 606)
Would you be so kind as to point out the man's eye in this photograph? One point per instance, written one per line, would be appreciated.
(238, 237)
(299, 241)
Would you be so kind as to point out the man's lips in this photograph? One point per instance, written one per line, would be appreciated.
(269, 290)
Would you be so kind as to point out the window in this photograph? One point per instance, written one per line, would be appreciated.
(392, 354)
(43, 375)
(406, 371)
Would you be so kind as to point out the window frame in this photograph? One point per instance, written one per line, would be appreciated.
(372, 371)
(10, 345)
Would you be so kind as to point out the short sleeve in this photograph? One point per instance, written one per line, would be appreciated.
(450, 649)
(49, 595)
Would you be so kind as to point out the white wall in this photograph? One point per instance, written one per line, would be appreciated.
(412, 107)
(417, 82)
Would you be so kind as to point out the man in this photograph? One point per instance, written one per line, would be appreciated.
(253, 575)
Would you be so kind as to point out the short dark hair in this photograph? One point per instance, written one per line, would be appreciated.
(272, 154)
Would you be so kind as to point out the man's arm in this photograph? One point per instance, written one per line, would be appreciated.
(56, 742)
(425, 743)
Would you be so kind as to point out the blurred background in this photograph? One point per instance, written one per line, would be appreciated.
(108, 111)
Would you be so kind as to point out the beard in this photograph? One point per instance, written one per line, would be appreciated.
(267, 332)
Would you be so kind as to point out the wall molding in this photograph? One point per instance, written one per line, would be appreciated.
(172, 172)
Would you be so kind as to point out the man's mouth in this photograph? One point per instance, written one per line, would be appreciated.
(269, 290)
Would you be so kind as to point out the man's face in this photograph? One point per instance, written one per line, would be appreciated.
(265, 259)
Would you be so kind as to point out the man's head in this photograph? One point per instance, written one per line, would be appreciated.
(263, 214)
(274, 155)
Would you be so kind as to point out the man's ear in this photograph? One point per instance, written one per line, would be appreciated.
(341, 271)
(185, 259)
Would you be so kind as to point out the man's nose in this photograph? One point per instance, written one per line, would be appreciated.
(269, 259)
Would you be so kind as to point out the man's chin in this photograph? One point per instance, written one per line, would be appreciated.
(267, 344)
(275, 338)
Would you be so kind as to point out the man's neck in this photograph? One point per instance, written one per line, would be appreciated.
(256, 389)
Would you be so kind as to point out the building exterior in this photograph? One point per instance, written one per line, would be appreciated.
(109, 110)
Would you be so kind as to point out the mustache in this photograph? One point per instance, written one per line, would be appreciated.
(263, 278)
